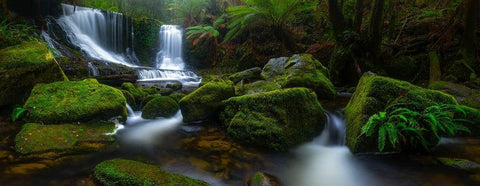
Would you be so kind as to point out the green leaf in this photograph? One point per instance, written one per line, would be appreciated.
(17, 112)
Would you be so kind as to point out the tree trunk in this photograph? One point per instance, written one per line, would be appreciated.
(375, 32)
(357, 23)
(470, 23)
(337, 19)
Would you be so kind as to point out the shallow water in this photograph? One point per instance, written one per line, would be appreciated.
(206, 153)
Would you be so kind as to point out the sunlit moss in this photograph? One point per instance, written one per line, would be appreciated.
(162, 106)
(129, 172)
(74, 101)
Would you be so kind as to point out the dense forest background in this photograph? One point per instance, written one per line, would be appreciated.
(398, 38)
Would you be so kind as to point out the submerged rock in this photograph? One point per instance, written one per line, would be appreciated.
(205, 101)
(23, 66)
(373, 94)
(248, 75)
(462, 164)
(53, 140)
(263, 179)
(300, 70)
(74, 101)
(129, 172)
(277, 120)
(162, 106)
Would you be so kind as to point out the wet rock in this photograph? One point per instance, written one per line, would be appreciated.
(373, 94)
(129, 172)
(256, 87)
(162, 106)
(277, 120)
(462, 164)
(74, 101)
(205, 101)
(248, 75)
(263, 179)
(23, 66)
(43, 141)
(117, 80)
(300, 70)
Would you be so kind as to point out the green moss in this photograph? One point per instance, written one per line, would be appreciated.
(206, 100)
(140, 95)
(373, 94)
(23, 66)
(246, 75)
(300, 70)
(256, 87)
(462, 164)
(472, 100)
(177, 96)
(65, 138)
(162, 106)
(129, 97)
(146, 36)
(74, 101)
(472, 115)
(129, 172)
(277, 120)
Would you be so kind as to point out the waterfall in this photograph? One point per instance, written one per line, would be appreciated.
(93, 69)
(102, 35)
(170, 55)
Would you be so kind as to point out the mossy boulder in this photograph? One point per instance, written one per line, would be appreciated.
(248, 75)
(74, 101)
(129, 172)
(463, 94)
(462, 164)
(136, 93)
(23, 66)
(177, 96)
(277, 120)
(263, 179)
(300, 70)
(373, 94)
(206, 100)
(162, 106)
(256, 87)
(63, 139)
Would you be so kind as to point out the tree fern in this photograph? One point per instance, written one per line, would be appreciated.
(403, 125)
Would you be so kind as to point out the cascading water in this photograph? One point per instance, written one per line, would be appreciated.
(102, 35)
(170, 55)
(327, 161)
(93, 69)
(169, 64)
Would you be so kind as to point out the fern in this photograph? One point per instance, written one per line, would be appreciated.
(403, 125)
(17, 112)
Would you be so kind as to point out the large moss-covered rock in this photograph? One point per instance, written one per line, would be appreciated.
(463, 94)
(137, 96)
(64, 138)
(300, 70)
(23, 66)
(162, 106)
(74, 101)
(373, 94)
(246, 75)
(277, 120)
(205, 101)
(256, 87)
(129, 172)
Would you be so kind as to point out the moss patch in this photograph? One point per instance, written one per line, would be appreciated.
(177, 96)
(162, 106)
(256, 87)
(246, 75)
(23, 66)
(129, 172)
(277, 120)
(65, 138)
(300, 70)
(74, 101)
(373, 94)
(205, 101)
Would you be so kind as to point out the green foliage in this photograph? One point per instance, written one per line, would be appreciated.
(14, 34)
(188, 12)
(17, 112)
(198, 33)
(406, 126)
(274, 13)
(108, 5)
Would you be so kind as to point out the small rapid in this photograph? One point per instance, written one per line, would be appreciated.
(326, 160)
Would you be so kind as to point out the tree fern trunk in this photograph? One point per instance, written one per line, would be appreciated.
(470, 23)
(357, 24)
(337, 19)
(375, 32)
